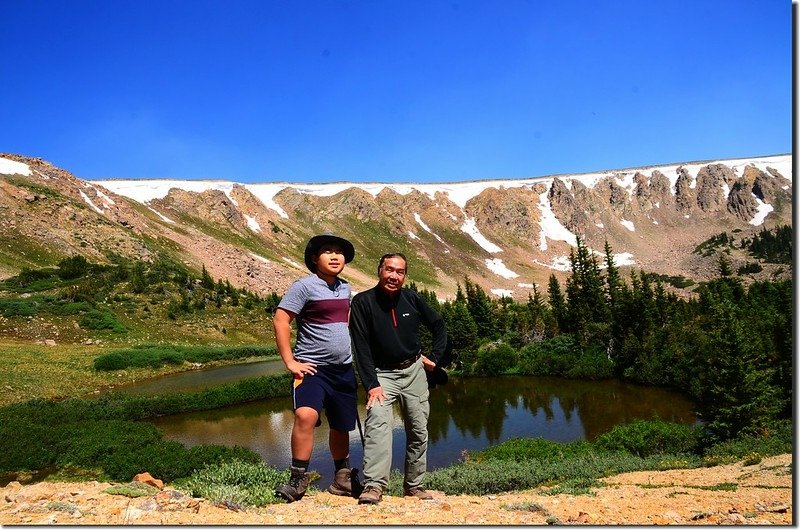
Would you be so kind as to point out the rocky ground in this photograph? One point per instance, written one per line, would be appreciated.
(732, 495)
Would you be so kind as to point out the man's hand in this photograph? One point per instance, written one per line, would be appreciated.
(300, 369)
(428, 364)
(375, 394)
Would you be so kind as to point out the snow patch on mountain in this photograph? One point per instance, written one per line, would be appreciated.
(472, 231)
(497, 266)
(12, 167)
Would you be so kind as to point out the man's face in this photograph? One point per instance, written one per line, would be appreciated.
(392, 274)
(329, 260)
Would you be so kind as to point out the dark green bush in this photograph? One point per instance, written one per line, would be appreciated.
(593, 363)
(73, 267)
(553, 357)
(520, 449)
(111, 361)
(103, 433)
(155, 356)
(98, 319)
(750, 268)
(495, 359)
(775, 440)
(17, 308)
(71, 308)
(652, 437)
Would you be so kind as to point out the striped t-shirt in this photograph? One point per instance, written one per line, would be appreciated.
(321, 313)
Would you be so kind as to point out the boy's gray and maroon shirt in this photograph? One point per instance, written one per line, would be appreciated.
(321, 313)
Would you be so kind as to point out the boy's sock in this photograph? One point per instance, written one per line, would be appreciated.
(344, 462)
(302, 464)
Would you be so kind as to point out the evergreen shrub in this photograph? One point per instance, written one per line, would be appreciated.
(496, 359)
(235, 482)
(593, 363)
(552, 357)
(17, 308)
(98, 319)
(652, 437)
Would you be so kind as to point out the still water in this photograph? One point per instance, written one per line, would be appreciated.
(466, 415)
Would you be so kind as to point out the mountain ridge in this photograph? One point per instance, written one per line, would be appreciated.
(504, 234)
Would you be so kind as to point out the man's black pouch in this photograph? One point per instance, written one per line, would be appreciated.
(356, 484)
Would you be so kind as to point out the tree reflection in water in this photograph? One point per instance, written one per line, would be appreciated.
(466, 414)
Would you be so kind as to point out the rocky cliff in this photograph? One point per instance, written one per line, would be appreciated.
(506, 235)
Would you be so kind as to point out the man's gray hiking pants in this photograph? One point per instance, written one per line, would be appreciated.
(409, 388)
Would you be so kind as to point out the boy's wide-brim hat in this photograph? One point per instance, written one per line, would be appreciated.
(316, 242)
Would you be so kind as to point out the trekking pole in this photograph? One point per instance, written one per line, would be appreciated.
(360, 430)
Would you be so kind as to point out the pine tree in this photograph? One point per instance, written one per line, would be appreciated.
(557, 303)
(205, 279)
(462, 331)
(737, 394)
(480, 308)
(587, 310)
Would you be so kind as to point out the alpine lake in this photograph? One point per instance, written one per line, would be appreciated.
(467, 415)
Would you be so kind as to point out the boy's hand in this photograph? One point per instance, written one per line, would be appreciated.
(299, 369)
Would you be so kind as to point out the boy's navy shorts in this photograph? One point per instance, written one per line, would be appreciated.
(333, 388)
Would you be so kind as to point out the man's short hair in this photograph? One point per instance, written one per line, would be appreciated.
(392, 255)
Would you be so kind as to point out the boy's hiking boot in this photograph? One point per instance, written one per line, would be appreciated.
(296, 488)
(341, 483)
(418, 492)
(370, 495)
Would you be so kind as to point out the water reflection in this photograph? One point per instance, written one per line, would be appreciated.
(466, 414)
(198, 380)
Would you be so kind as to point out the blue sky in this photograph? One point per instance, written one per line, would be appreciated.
(391, 91)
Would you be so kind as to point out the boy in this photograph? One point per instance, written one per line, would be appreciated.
(321, 362)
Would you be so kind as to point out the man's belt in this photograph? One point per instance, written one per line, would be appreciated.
(401, 365)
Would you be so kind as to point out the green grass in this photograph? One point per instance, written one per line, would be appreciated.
(575, 467)
(235, 483)
(132, 489)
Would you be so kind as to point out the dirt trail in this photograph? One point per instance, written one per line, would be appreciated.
(730, 494)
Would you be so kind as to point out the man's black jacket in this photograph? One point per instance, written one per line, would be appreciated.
(385, 330)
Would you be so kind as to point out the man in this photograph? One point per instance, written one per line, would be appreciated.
(384, 326)
(321, 362)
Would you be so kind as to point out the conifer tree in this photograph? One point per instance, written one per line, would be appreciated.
(557, 303)
(587, 311)
(205, 278)
(461, 331)
(480, 308)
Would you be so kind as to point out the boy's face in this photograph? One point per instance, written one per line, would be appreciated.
(329, 260)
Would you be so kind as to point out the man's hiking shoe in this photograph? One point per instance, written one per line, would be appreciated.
(341, 483)
(296, 488)
(370, 495)
(419, 493)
